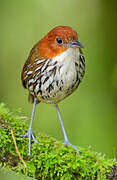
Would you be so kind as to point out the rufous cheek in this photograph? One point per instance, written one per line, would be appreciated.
(50, 50)
(56, 50)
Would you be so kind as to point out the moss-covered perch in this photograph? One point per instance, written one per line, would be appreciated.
(49, 159)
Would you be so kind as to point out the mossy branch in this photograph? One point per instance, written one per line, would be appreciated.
(49, 159)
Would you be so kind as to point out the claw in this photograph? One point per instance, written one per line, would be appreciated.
(34, 139)
(67, 143)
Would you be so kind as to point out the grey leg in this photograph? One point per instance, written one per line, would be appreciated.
(66, 141)
(29, 134)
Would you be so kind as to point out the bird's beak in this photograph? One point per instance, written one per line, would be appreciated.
(75, 44)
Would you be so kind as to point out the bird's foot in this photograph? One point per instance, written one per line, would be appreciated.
(67, 143)
(30, 136)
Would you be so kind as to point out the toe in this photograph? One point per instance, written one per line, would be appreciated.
(34, 139)
(67, 143)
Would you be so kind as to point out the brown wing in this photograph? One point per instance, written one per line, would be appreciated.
(32, 70)
(32, 63)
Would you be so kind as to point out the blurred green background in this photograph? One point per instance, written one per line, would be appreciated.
(90, 113)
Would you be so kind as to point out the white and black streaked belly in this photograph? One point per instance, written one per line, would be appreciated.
(60, 76)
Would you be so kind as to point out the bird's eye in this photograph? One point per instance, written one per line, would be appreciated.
(59, 40)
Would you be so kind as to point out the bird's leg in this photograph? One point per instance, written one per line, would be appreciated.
(29, 134)
(66, 141)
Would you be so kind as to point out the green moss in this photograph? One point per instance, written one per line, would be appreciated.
(49, 159)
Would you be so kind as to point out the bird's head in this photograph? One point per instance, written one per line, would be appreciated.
(57, 41)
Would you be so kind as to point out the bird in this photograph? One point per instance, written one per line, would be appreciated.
(54, 69)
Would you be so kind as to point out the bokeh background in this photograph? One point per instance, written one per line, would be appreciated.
(90, 113)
